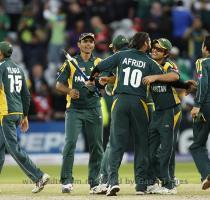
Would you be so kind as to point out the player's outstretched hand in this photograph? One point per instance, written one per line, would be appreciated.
(24, 124)
(74, 94)
(192, 86)
(149, 79)
(107, 80)
(89, 83)
(103, 80)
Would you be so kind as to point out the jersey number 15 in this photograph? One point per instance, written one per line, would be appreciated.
(15, 83)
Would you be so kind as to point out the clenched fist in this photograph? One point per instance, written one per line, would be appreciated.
(73, 93)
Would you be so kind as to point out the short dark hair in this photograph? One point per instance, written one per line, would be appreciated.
(6, 49)
(138, 40)
(206, 42)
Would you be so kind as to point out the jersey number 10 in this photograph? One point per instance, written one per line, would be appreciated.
(133, 76)
(15, 83)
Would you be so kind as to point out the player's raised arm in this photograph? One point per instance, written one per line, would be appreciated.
(109, 63)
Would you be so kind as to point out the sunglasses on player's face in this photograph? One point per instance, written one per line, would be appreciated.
(161, 50)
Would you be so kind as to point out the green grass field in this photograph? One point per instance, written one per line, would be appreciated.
(15, 185)
(13, 174)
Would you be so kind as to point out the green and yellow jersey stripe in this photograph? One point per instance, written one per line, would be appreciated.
(70, 82)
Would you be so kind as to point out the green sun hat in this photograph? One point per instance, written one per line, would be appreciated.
(6, 48)
(164, 43)
(118, 42)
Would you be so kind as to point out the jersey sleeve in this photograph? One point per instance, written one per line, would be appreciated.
(109, 63)
(171, 67)
(97, 61)
(202, 81)
(64, 73)
(179, 84)
(25, 96)
(1, 74)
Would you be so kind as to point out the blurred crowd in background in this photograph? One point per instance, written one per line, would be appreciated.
(40, 29)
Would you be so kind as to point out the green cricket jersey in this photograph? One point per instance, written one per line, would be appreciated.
(203, 77)
(113, 71)
(132, 65)
(14, 94)
(164, 95)
(69, 76)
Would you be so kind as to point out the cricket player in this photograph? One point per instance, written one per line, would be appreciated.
(119, 43)
(201, 115)
(15, 101)
(129, 110)
(83, 113)
(165, 121)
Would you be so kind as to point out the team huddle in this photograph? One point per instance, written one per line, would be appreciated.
(145, 105)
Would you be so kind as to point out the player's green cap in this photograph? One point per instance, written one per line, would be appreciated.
(85, 35)
(164, 43)
(118, 42)
(6, 48)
